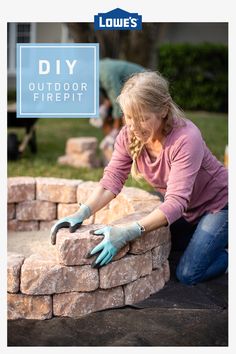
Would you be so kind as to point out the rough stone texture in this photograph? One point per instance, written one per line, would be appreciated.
(36, 210)
(156, 280)
(46, 225)
(150, 240)
(80, 152)
(142, 288)
(103, 216)
(82, 144)
(42, 275)
(11, 211)
(20, 189)
(64, 271)
(86, 159)
(14, 263)
(18, 225)
(125, 270)
(128, 219)
(57, 190)
(166, 269)
(160, 254)
(73, 248)
(80, 304)
(131, 200)
(29, 307)
(66, 209)
(85, 189)
(137, 291)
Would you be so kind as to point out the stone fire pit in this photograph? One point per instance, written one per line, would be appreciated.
(59, 280)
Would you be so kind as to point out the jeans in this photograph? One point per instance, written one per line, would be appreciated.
(204, 256)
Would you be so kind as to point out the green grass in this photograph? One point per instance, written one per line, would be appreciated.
(52, 135)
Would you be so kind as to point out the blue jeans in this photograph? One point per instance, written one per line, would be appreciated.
(205, 256)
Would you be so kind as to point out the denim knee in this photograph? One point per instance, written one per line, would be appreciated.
(185, 276)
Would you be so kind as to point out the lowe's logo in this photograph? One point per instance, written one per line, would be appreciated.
(117, 19)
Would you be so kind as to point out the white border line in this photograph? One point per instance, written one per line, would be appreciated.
(94, 47)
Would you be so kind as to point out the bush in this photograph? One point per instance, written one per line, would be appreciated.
(198, 75)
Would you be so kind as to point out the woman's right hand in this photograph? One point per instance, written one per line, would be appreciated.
(73, 221)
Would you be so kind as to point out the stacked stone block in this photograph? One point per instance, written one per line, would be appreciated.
(80, 152)
(33, 203)
(37, 203)
(64, 283)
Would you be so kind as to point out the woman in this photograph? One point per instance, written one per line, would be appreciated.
(112, 75)
(159, 144)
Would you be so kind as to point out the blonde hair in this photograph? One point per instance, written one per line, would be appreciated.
(148, 91)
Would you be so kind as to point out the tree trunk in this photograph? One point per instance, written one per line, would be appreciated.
(140, 47)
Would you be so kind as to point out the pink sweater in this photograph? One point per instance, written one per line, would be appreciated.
(189, 176)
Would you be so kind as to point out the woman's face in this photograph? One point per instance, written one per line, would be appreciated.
(149, 128)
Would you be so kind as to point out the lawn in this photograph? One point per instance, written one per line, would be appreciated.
(52, 135)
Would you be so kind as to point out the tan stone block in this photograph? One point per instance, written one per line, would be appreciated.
(86, 157)
(20, 189)
(88, 161)
(89, 221)
(85, 189)
(142, 288)
(150, 240)
(81, 304)
(11, 211)
(36, 210)
(166, 269)
(18, 225)
(42, 275)
(14, 263)
(132, 200)
(66, 209)
(125, 270)
(46, 225)
(156, 280)
(128, 219)
(72, 248)
(103, 216)
(136, 291)
(57, 190)
(160, 254)
(29, 307)
(81, 144)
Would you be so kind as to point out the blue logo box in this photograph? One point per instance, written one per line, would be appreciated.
(118, 19)
(56, 80)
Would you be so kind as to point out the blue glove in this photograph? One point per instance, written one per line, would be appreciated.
(115, 238)
(72, 221)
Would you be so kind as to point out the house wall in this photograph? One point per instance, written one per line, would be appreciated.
(196, 32)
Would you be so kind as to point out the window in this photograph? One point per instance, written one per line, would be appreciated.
(23, 32)
(18, 33)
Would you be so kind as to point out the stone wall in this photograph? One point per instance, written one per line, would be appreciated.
(64, 283)
(36, 203)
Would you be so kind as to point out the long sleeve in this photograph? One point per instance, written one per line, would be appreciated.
(186, 161)
(118, 169)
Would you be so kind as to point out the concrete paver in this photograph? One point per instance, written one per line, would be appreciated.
(178, 315)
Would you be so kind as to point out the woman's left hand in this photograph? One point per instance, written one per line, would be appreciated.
(115, 238)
